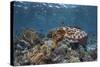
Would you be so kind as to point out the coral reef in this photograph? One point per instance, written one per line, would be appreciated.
(39, 54)
(62, 45)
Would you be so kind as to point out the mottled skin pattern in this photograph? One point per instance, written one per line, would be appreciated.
(61, 33)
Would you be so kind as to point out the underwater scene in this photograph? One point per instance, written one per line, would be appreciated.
(52, 33)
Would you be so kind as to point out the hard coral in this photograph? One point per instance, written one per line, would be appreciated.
(30, 36)
(38, 56)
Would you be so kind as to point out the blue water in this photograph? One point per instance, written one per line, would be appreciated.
(43, 17)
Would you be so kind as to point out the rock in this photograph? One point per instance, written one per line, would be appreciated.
(58, 55)
(74, 59)
(49, 42)
(87, 58)
(94, 54)
(72, 56)
(65, 61)
(59, 51)
(58, 59)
